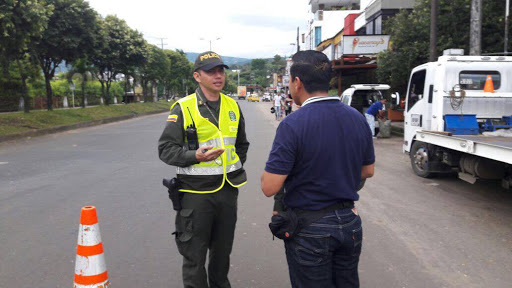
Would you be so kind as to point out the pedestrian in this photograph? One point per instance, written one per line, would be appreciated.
(209, 173)
(321, 161)
(373, 111)
(277, 105)
(289, 103)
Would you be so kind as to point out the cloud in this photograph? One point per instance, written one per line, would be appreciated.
(275, 22)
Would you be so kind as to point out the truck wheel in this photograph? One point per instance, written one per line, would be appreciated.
(419, 159)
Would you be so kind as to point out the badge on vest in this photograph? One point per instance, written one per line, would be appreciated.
(232, 116)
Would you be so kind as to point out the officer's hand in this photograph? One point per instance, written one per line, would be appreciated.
(206, 154)
(275, 213)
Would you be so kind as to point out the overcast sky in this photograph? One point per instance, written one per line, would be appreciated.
(249, 29)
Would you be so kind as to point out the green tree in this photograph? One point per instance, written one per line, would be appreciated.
(21, 22)
(258, 64)
(156, 69)
(86, 70)
(410, 36)
(118, 49)
(70, 35)
(180, 73)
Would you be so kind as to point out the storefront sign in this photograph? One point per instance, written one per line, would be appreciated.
(365, 44)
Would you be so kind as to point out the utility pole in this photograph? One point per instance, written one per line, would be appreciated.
(506, 27)
(162, 42)
(433, 30)
(475, 33)
(298, 47)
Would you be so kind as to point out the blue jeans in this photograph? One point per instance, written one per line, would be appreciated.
(326, 253)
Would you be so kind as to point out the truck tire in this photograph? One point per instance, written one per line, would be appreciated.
(419, 159)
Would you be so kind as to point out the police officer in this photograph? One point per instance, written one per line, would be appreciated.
(210, 174)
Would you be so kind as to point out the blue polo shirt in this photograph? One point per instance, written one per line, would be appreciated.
(374, 108)
(321, 147)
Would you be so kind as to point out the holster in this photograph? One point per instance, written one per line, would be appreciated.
(173, 186)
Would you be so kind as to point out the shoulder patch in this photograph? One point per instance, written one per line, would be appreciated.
(172, 118)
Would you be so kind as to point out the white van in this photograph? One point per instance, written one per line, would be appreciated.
(362, 96)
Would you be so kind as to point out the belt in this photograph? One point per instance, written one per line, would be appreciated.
(306, 217)
(330, 208)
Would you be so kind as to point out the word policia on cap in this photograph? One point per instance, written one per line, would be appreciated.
(209, 55)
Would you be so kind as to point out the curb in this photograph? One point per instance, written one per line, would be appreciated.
(62, 128)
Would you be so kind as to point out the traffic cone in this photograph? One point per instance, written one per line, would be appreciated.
(90, 267)
(489, 86)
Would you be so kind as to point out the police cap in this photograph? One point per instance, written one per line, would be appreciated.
(208, 60)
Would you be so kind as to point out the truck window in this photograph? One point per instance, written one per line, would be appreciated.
(475, 80)
(416, 88)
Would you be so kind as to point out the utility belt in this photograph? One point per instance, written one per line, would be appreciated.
(287, 224)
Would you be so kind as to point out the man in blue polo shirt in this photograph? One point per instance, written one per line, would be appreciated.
(370, 114)
(320, 154)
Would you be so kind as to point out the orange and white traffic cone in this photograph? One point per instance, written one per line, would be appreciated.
(489, 86)
(90, 267)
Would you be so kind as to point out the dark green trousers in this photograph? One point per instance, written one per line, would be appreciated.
(206, 223)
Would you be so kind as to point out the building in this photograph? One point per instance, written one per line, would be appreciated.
(349, 32)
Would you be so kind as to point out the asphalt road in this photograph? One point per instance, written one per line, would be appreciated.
(439, 232)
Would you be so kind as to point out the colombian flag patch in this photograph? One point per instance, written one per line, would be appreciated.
(172, 118)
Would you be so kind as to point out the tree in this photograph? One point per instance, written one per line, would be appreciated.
(21, 21)
(86, 70)
(70, 35)
(156, 68)
(180, 72)
(410, 36)
(119, 48)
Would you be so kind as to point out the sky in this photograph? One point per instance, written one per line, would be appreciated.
(247, 29)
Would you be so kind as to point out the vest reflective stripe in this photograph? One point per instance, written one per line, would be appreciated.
(219, 170)
(217, 142)
(209, 135)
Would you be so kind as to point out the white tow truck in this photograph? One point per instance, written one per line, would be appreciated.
(448, 117)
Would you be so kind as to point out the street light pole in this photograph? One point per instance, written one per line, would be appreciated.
(210, 41)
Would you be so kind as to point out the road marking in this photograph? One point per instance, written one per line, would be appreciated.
(3, 163)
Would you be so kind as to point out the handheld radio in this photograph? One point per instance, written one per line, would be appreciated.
(193, 142)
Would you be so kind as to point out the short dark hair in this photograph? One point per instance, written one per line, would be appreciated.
(313, 68)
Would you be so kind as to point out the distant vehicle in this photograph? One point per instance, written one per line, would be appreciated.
(253, 98)
(242, 92)
(266, 97)
(362, 96)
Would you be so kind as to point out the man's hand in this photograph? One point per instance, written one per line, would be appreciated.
(205, 154)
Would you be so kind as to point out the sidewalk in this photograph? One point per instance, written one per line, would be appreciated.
(62, 128)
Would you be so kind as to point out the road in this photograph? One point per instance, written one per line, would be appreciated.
(439, 232)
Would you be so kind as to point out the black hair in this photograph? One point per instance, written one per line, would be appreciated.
(313, 68)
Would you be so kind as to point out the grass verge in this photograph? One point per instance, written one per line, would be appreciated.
(14, 123)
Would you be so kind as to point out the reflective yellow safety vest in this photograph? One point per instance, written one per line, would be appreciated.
(208, 134)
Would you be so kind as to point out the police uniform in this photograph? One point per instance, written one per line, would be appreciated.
(206, 222)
